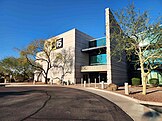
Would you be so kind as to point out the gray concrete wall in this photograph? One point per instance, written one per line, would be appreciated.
(81, 59)
(118, 64)
(75, 40)
(108, 51)
(117, 70)
(68, 42)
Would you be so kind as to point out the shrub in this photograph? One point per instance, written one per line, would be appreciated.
(1, 80)
(154, 81)
(135, 81)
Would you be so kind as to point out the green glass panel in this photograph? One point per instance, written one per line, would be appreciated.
(98, 59)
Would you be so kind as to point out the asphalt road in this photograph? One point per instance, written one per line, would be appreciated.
(56, 104)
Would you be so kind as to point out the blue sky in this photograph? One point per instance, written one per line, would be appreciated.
(22, 21)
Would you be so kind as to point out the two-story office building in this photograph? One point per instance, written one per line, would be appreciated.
(92, 57)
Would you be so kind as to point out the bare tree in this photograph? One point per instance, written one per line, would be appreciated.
(63, 64)
(40, 51)
(139, 37)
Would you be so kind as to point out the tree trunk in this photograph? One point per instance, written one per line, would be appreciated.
(46, 74)
(46, 78)
(144, 88)
(62, 80)
(142, 72)
(38, 77)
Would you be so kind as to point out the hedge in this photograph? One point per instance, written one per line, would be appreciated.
(135, 81)
(154, 81)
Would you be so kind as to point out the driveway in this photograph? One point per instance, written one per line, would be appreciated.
(56, 104)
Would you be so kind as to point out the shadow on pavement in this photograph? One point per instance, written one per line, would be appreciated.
(3, 94)
(151, 115)
(156, 108)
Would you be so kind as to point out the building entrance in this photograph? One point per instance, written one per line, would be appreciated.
(98, 76)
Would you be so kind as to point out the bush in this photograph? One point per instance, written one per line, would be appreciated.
(154, 81)
(135, 81)
(1, 80)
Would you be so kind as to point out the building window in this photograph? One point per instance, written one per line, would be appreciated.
(100, 59)
(98, 42)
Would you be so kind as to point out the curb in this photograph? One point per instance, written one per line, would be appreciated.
(123, 96)
(113, 93)
(129, 98)
(150, 103)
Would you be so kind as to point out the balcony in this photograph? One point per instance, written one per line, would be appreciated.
(98, 68)
(96, 44)
(100, 59)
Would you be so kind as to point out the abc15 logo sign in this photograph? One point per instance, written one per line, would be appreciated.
(58, 43)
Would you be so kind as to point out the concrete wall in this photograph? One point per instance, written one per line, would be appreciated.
(116, 70)
(81, 59)
(68, 42)
(108, 51)
(76, 41)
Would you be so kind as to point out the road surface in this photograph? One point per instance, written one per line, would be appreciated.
(56, 104)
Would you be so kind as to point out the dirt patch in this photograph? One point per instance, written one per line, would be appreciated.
(154, 94)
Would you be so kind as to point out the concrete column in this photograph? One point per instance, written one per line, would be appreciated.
(81, 82)
(95, 82)
(5, 80)
(108, 50)
(99, 78)
(51, 81)
(34, 82)
(126, 88)
(68, 83)
(75, 80)
(102, 85)
(84, 83)
(89, 84)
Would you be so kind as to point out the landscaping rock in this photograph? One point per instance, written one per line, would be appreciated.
(112, 87)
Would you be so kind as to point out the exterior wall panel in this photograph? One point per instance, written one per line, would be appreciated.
(82, 41)
(117, 71)
(68, 42)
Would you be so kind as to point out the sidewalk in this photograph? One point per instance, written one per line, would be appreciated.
(135, 110)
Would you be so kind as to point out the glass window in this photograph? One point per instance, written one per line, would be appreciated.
(92, 44)
(98, 59)
(97, 42)
(101, 42)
